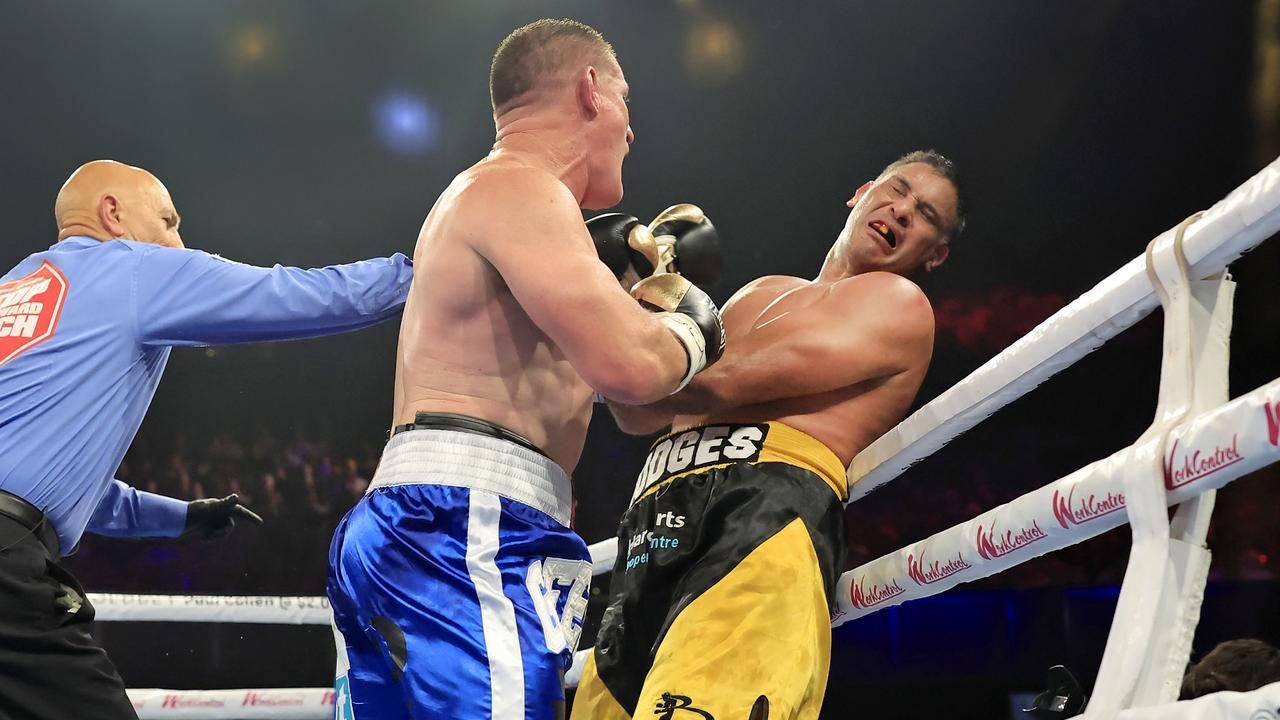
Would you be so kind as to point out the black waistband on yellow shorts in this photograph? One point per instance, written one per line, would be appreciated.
(707, 447)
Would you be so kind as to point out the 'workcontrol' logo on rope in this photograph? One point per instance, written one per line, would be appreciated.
(1069, 512)
(993, 544)
(924, 572)
(863, 596)
(1187, 466)
(29, 310)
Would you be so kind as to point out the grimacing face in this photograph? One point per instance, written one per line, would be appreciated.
(899, 223)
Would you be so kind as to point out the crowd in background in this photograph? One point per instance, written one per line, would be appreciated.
(300, 486)
(303, 486)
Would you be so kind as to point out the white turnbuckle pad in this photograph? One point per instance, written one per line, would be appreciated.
(1164, 580)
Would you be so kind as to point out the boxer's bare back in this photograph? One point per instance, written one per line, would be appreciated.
(503, 263)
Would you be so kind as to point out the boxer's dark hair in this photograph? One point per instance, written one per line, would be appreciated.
(537, 51)
(942, 165)
(1239, 665)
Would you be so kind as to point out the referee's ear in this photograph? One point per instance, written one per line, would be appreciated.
(109, 215)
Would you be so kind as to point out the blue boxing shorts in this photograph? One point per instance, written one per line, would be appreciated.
(458, 589)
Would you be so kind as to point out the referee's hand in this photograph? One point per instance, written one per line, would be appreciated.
(216, 517)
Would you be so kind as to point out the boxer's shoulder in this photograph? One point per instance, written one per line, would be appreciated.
(745, 307)
(510, 201)
(893, 293)
(881, 280)
(884, 304)
(767, 282)
(492, 206)
(869, 301)
(769, 286)
(510, 183)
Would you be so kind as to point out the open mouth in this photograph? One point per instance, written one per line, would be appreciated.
(885, 232)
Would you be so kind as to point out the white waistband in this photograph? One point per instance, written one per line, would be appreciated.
(479, 462)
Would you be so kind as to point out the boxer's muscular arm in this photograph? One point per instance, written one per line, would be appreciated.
(655, 417)
(868, 327)
(528, 226)
(641, 419)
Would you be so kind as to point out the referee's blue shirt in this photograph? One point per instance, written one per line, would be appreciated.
(85, 331)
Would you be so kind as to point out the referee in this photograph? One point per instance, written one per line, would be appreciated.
(86, 327)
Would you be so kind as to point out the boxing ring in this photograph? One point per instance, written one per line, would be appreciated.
(1197, 443)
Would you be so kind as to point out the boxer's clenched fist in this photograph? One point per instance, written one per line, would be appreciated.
(689, 313)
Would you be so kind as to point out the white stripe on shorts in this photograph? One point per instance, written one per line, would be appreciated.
(497, 614)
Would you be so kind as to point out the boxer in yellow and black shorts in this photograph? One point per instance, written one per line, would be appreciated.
(727, 563)
(733, 542)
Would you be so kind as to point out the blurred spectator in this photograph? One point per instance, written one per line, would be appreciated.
(1239, 665)
(272, 502)
(353, 484)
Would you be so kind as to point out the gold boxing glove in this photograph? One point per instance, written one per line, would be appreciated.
(680, 240)
(689, 313)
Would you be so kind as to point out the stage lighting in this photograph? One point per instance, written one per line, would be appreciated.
(250, 44)
(713, 51)
(406, 123)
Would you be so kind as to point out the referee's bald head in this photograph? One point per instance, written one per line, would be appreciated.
(105, 199)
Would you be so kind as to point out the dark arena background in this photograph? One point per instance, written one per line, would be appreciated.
(314, 132)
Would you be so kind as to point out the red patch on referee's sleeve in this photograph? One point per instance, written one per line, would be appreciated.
(29, 310)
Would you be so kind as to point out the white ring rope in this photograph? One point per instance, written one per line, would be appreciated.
(249, 704)
(317, 704)
(1206, 453)
(261, 609)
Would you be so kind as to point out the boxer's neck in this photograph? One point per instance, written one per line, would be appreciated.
(546, 140)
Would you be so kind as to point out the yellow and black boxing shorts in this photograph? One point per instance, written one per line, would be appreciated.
(726, 571)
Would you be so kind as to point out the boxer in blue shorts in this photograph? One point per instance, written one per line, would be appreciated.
(457, 585)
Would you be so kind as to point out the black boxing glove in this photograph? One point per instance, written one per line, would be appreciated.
(216, 517)
(693, 242)
(680, 240)
(611, 233)
(689, 313)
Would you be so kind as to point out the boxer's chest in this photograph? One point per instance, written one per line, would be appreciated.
(765, 304)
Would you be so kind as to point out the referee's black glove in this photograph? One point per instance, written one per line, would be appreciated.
(216, 517)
